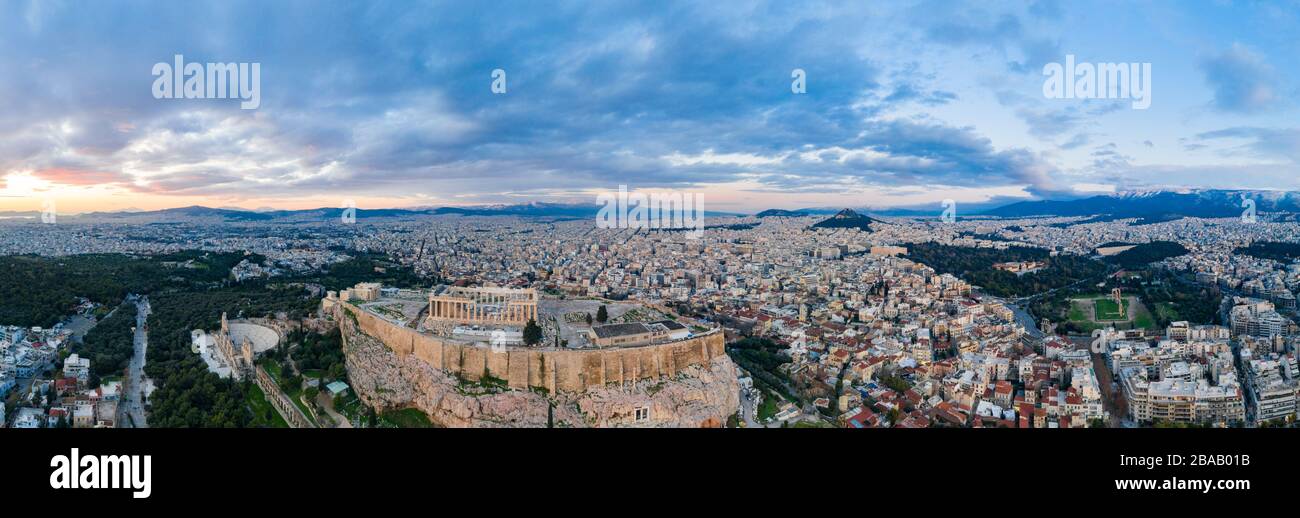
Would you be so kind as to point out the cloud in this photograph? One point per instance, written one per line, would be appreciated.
(957, 25)
(1048, 9)
(1258, 141)
(393, 100)
(1077, 141)
(910, 92)
(1242, 81)
(940, 153)
(66, 176)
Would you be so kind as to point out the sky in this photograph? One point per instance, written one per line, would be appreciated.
(391, 104)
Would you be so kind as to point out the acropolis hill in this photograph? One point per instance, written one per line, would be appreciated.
(462, 375)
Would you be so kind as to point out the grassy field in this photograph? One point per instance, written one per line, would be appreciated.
(1077, 314)
(1106, 310)
(272, 368)
(1142, 317)
(1099, 311)
(769, 407)
(257, 402)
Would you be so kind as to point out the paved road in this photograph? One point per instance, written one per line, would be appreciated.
(132, 405)
(1112, 399)
(1025, 320)
(747, 411)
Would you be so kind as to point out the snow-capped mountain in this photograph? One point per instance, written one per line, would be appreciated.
(1204, 203)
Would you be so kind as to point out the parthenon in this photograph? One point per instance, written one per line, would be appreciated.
(500, 306)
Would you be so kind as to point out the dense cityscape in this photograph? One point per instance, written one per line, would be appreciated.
(829, 325)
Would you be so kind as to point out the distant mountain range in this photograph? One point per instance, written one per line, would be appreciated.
(1210, 203)
(1151, 206)
(558, 211)
(548, 210)
(781, 213)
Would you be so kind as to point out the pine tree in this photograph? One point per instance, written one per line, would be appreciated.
(532, 333)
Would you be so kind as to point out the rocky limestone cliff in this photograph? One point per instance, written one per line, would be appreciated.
(696, 396)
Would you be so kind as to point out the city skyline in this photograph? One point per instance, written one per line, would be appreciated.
(393, 105)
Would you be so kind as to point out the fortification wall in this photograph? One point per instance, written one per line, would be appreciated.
(555, 370)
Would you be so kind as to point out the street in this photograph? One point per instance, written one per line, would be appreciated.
(131, 407)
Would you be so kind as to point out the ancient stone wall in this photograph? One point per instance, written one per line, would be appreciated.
(289, 411)
(555, 370)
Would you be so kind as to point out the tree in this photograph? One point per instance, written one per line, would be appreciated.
(588, 318)
(602, 314)
(532, 333)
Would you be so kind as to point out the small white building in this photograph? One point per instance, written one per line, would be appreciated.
(76, 367)
(29, 418)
